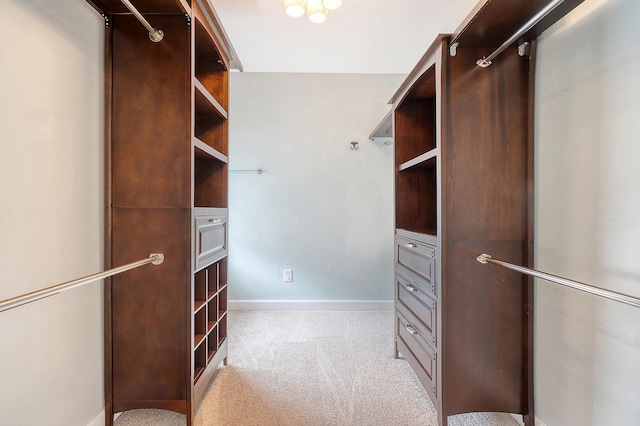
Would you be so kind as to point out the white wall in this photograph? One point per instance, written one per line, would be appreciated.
(319, 208)
(588, 215)
(51, 198)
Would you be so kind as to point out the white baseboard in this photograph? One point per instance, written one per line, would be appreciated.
(310, 305)
(101, 417)
(518, 418)
(98, 420)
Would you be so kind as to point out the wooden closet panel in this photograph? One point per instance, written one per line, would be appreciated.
(151, 114)
(485, 147)
(484, 344)
(151, 305)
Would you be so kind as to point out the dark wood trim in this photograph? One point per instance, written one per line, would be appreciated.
(427, 61)
(441, 255)
(179, 406)
(108, 226)
(529, 418)
(99, 6)
(492, 22)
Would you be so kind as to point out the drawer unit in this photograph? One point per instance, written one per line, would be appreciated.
(421, 357)
(426, 286)
(417, 257)
(422, 309)
(211, 236)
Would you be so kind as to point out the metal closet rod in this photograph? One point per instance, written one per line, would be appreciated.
(154, 258)
(485, 62)
(258, 171)
(154, 34)
(607, 294)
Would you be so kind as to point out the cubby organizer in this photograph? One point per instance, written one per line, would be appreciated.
(166, 189)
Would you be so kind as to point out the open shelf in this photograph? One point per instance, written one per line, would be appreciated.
(199, 290)
(222, 302)
(210, 126)
(212, 281)
(210, 182)
(416, 198)
(212, 344)
(222, 273)
(200, 361)
(204, 150)
(415, 121)
(383, 133)
(222, 330)
(210, 70)
(199, 327)
(421, 160)
(206, 103)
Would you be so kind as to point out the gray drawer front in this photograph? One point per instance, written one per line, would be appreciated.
(421, 306)
(419, 350)
(424, 325)
(426, 286)
(417, 257)
(211, 238)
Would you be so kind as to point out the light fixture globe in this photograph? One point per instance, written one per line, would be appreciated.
(294, 8)
(316, 11)
(332, 4)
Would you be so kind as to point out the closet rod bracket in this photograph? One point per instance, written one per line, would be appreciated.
(155, 35)
(484, 62)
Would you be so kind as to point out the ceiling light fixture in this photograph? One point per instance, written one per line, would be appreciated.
(317, 10)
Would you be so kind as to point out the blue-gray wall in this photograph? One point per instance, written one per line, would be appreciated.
(320, 208)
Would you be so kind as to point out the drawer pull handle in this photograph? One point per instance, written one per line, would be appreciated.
(411, 245)
(410, 329)
(215, 220)
(410, 287)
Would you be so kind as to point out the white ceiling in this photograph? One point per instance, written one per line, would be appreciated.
(362, 36)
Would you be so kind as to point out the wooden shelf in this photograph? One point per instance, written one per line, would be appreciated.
(202, 149)
(197, 305)
(205, 102)
(383, 133)
(421, 160)
(198, 339)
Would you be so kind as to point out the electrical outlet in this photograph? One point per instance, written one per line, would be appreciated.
(288, 275)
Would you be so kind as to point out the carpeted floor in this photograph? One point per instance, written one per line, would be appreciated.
(313, 369)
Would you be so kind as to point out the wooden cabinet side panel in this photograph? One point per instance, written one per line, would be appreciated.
(151, 322)
(485, 147)
(483, 358)
(151, 136)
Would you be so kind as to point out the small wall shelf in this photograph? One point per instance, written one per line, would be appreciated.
(383, 133)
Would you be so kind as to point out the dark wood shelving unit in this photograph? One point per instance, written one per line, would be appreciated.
(463, 186)
(166, 191)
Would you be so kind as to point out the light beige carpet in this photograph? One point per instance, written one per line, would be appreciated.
(313, 369)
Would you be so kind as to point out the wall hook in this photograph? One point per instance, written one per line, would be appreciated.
(354, 146)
